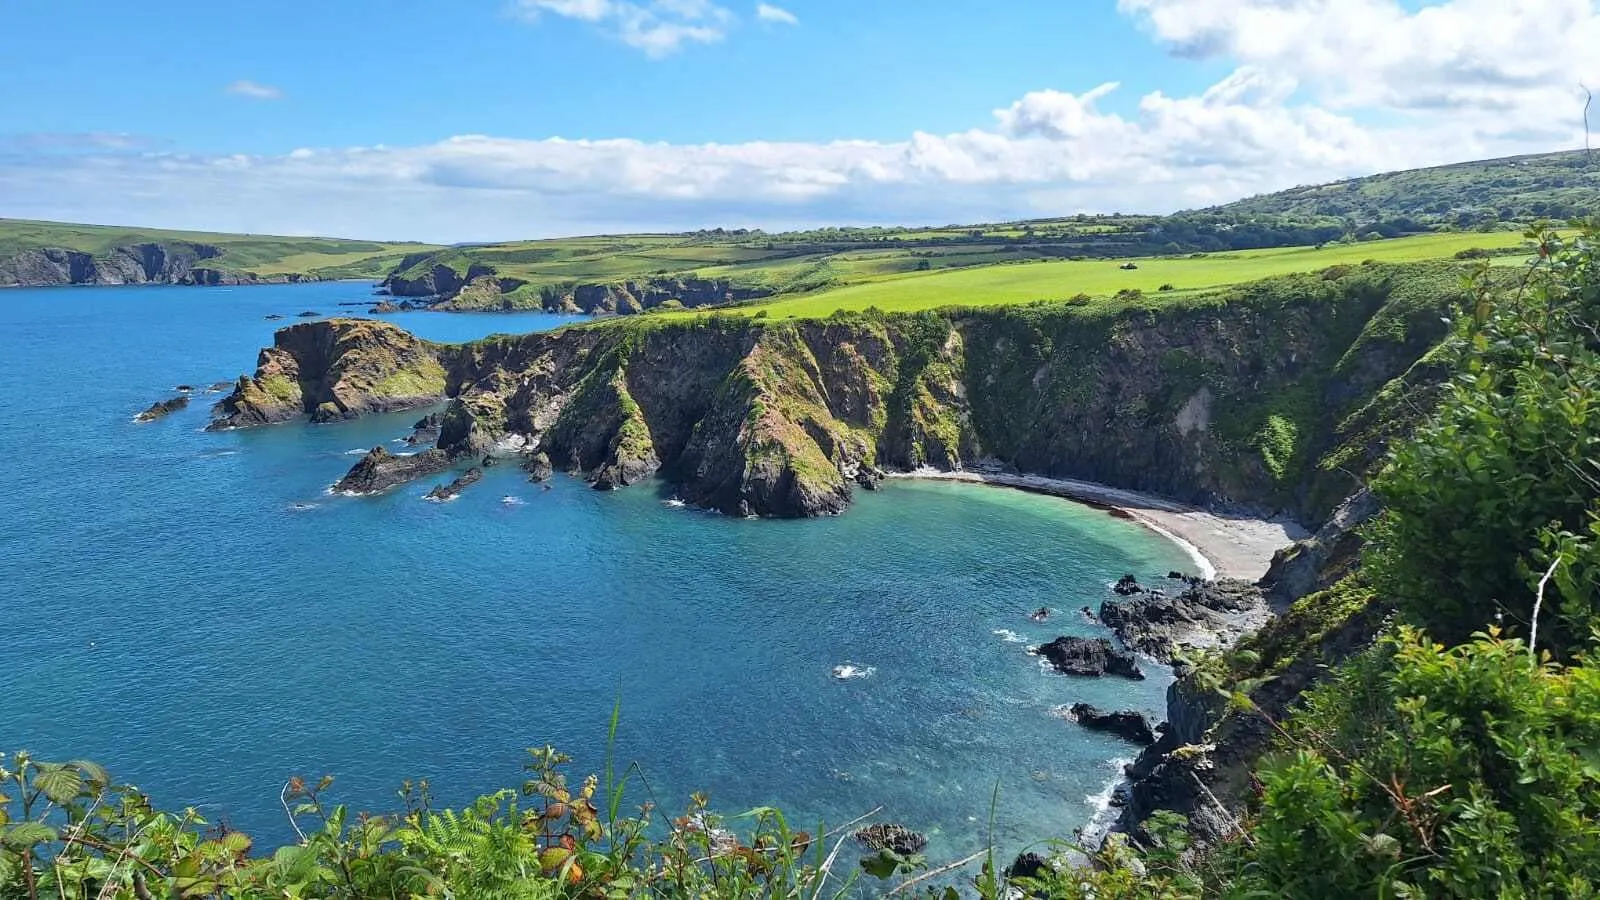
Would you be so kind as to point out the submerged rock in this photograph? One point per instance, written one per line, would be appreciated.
(381, 470)
(453, 490)
(895, 838)
(1090, 657)
(1127, 586)
(162, 408)
(309, 314)
(218, 387)
(1124, 723)
(272, 317)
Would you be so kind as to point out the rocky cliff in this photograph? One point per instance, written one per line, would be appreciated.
(176, 262)
(455, 284)
(1251, 396)
(335, 369)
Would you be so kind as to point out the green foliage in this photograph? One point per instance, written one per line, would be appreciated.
(1505, 481)
(1429, 770)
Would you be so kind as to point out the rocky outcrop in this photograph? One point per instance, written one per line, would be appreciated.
(538, 467)
(381, 470)
(1089, 657)
(335, 369)
(1324, 558)
(1127, 724)
(447, 492)
(1203, 615)
(162, 408)
(169, 262)
(426, 430)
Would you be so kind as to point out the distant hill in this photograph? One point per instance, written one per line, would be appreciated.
(631, 273)
(49, 253)
(1558, 186)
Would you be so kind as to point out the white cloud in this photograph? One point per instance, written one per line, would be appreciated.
(255, 90)
(766, 12)
(657, 27)
(1519, 58)
(1321, 90)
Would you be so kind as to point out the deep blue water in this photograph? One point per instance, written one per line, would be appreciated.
(194, 611)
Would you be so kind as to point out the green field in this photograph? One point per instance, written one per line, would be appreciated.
(1029, 282)
(261, 254)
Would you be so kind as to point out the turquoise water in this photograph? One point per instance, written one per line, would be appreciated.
(197, 613)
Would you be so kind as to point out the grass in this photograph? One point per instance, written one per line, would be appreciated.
(1028, 282)
(261, 254)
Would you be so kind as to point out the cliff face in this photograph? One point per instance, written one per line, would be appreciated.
(335, 369)
(1259, 396)
(149, 263)
(457, 285)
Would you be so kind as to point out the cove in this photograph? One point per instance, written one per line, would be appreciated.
(197, 613)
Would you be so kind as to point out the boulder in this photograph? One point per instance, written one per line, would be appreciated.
(1028, 865)
(162, 408)
(538, 467)
(381, 470)
(1127, 586)
(1125, 723)
(1090, 657)
(445, 492)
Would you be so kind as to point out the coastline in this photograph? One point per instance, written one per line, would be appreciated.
(1222, 546)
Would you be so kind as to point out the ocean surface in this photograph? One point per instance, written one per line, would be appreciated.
(196, 612)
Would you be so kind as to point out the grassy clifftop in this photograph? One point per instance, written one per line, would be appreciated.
(262, 255)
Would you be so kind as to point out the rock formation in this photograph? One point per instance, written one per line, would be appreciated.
(332, 370)
(162, 408)
(1126, 724)
(1090, 657)
(447, 492)
(381, 470)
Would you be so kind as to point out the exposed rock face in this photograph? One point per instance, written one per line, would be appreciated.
(754, 417)
(1090, 657)
(447, 492)
(1322, 559)
(381, 470)
(1126, 724)
(162, 408)
(895, 838)
(538, 467)
(1205, 615)
(336, 369)
(172, 262)
(426, 431)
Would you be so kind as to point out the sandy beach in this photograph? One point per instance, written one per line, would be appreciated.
(1222, 546)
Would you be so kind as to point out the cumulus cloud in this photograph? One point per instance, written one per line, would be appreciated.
(255, 90)
(1478, 57)
(657, 27)
(766, 12)
(1320, 90)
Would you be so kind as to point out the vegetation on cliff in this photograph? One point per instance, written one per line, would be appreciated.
(43, 253)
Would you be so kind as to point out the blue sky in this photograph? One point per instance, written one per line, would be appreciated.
(434, 119)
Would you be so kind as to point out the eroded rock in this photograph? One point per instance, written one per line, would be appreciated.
(381, 470)
(1090, 657)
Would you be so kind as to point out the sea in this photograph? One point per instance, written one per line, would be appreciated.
(199, 614)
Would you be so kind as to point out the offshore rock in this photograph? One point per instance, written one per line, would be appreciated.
(162, 409)
(538, 467)
(381, 470)
(1126, 724)
(1090, 657)
(447, 492)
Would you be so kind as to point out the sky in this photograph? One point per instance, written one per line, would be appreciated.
(473, 120)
